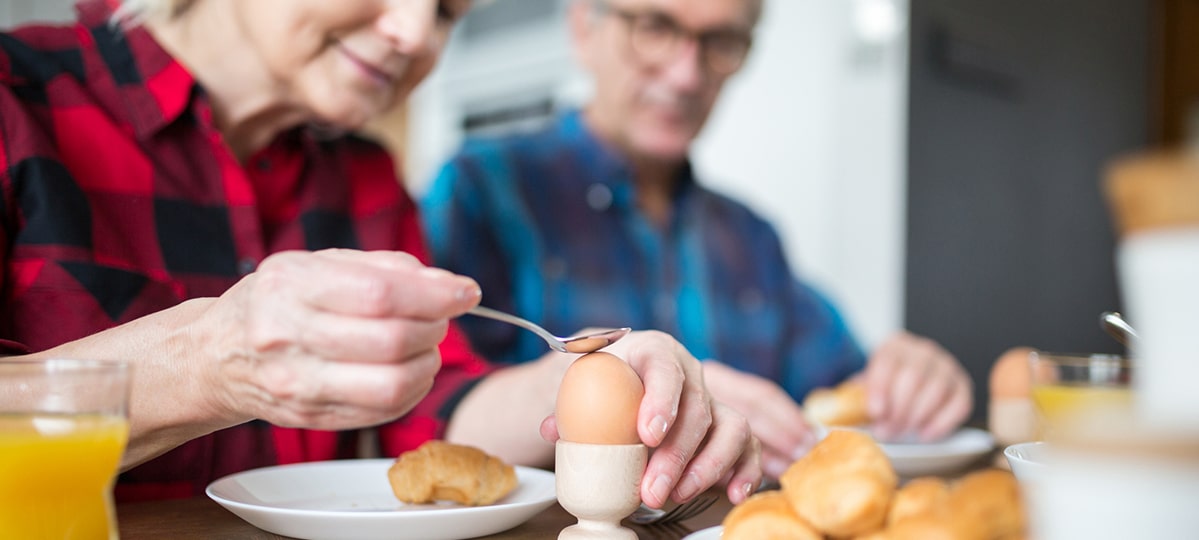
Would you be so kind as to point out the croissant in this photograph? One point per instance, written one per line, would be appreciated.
(921, 496)
(843, 486)
(441, 471)
(844, 405)
(992, 499)
(767, 515)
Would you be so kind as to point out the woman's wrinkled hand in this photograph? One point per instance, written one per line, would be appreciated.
(334, 339)
(697, 442)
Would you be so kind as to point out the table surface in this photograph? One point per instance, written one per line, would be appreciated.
(200, 517)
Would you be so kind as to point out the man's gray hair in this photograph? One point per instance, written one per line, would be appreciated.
(755, 9)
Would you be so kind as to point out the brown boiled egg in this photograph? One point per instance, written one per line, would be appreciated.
(598, 401)
(1011, 376)
(1011, 417)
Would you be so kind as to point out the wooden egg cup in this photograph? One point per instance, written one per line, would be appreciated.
(600, 484)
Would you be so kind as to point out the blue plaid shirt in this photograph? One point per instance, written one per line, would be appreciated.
(548, 225)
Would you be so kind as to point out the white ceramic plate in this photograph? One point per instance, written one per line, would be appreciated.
(352, 500)
(948, 455)
(711, 533)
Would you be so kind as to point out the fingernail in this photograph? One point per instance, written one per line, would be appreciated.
(661, 488)
(469, 293)
(747, 488)
(658, 427)
(689, 486)
(801, 451)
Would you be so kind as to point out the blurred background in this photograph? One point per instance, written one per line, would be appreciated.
(931, 164)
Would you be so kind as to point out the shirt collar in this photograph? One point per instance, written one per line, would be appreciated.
(607, 165)
(149, 88)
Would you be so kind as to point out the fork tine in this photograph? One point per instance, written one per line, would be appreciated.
(670, 514)
(694, 508)
(686, 510)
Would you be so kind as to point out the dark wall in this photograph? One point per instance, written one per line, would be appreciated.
(1016, 107)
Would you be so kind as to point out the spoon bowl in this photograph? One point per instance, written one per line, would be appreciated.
(581, 344)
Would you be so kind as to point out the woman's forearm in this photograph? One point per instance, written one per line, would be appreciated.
(165, 351)
(503, 414)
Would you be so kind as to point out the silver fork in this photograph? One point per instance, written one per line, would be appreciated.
(645, 515)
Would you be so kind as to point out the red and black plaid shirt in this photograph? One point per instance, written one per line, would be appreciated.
(120, 198)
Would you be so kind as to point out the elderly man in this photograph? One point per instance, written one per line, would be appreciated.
(599, 220)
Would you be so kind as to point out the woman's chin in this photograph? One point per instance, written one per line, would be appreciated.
(344, 120)
(347, 110)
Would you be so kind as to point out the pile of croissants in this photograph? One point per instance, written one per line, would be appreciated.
(846, 488)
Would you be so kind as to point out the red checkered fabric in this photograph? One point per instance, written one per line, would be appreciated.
(119, 198)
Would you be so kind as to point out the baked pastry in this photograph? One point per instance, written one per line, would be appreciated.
(844, 405)
(441, 471)
(921, 496)
(937, 526)
(843, 486)
(767, 516)
(990, 498)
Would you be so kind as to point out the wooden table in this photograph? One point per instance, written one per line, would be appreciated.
(201, 518)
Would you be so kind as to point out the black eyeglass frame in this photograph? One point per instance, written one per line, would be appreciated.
(677, 35)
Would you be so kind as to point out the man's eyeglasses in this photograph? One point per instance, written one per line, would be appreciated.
(655, 38)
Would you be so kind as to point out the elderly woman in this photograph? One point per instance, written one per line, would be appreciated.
(175, 178)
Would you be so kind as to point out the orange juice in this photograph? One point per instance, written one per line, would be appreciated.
(1059, 404)
(56, 474)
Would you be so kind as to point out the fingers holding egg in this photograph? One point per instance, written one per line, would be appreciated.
(729, 447)
(696, 441)
(667, 370)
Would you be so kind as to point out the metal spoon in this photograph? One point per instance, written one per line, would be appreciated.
(578, 344)
(1115, 325)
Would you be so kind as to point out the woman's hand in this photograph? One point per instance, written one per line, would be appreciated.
(334, 339)
(697, 442)
(776, 419)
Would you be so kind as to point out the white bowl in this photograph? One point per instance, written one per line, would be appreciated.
(1028, 460)
(1080, 493)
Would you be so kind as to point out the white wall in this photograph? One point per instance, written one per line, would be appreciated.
(13, 12)
(811, 134)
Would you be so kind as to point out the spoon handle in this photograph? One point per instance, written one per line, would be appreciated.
(1115, 325)
(549, 338)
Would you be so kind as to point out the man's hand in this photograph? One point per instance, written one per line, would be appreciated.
(914, 386)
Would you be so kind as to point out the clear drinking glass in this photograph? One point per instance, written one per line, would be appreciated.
(63, 428)
(1080, 394)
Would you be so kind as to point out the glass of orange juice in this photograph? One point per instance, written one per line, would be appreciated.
(63, 428)
(1077, 394)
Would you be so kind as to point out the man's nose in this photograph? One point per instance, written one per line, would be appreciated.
(685, 70)
(410, 26)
